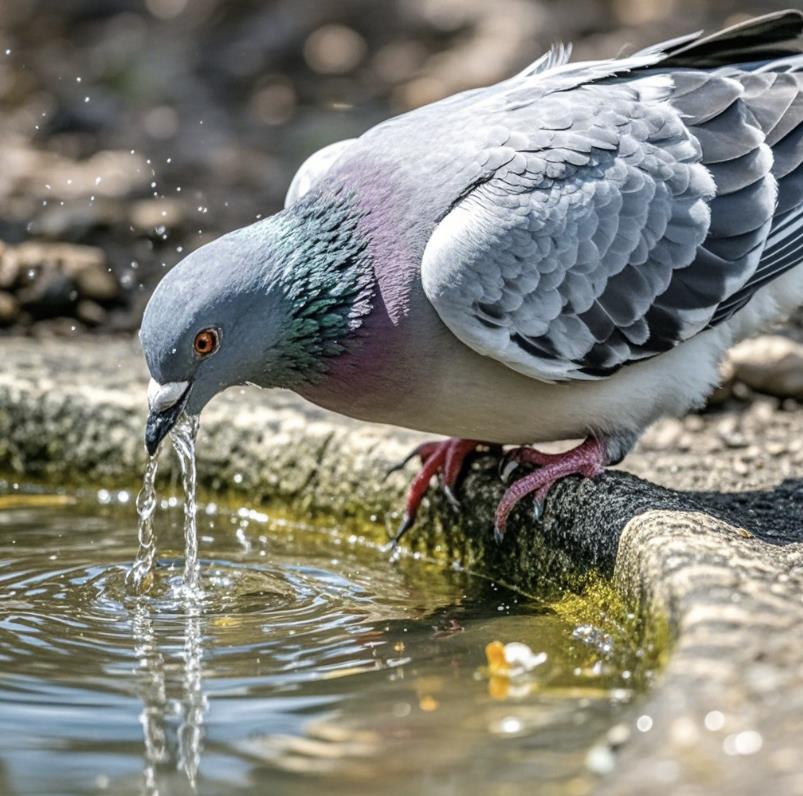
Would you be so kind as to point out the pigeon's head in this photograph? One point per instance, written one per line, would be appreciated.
(268, 304)
(210, 324)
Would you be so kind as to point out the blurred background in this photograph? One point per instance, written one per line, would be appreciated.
(135, 130)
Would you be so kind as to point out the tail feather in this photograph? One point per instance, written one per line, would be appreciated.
(773, 97)
(765, 38)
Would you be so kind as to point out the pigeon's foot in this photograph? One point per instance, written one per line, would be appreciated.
(444, 459)
(587, 459)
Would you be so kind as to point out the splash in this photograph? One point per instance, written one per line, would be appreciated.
(183, 438)
(140, 576)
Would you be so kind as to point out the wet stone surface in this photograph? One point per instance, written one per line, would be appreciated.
(711, 550)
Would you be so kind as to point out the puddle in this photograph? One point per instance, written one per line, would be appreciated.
(308, 664)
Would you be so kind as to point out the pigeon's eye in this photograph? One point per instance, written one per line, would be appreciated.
(206, 342)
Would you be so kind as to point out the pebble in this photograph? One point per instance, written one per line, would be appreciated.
(90, 312)
(55, 279)
(9, 308)
(771, 364)
(150, 215)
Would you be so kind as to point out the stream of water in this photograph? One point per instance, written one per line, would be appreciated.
(183, 436)
(140, 576)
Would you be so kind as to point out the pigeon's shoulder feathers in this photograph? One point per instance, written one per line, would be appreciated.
(314, 168)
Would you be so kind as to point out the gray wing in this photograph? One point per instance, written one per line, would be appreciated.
(640, 211)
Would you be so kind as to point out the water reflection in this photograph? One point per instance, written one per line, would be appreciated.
(194, 704)
(150, 676)
(172, 729)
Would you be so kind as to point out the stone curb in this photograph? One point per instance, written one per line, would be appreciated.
(727, 714)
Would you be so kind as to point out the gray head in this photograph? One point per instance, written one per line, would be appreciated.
(265, 304)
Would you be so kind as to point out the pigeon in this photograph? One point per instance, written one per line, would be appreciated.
(564, 255)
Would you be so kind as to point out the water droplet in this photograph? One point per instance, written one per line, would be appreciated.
(510, 725)
(714, 720)
(644, 723)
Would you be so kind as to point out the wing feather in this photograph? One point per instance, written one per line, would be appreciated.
(641, 216)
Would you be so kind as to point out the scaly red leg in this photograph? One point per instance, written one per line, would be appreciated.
(587, 459)
(444, 458)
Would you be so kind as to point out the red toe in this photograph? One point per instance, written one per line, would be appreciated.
(446, 458)
(587, 459)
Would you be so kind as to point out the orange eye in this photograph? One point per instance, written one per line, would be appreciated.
(206, 342)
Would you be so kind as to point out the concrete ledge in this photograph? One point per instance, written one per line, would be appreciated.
(722, 567)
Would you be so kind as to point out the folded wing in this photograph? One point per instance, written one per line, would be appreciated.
(637, 211)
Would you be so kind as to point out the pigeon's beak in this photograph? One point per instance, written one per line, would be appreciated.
(166, 402)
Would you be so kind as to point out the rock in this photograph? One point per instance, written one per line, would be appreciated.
(97, 284)
(155, 216)
(51, 278)
(90, 312)
(51, 328)
(73, 222)
(9, 308)
(51, 294)
(664, 435)
(9, 267)
(770, 364)
(86, 267)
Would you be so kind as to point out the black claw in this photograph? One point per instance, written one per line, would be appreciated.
(400, 465)
(506, 468)
(405, 525)
(538, 511)
(499, 533)
(451, 497)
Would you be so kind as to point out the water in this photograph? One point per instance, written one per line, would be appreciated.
(308, 664)
(140, 577)
(183, 437)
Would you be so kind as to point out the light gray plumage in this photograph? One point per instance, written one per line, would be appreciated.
(567, 252)
(631, 215)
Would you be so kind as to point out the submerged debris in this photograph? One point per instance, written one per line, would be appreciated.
(510, 667)
(513, 659)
